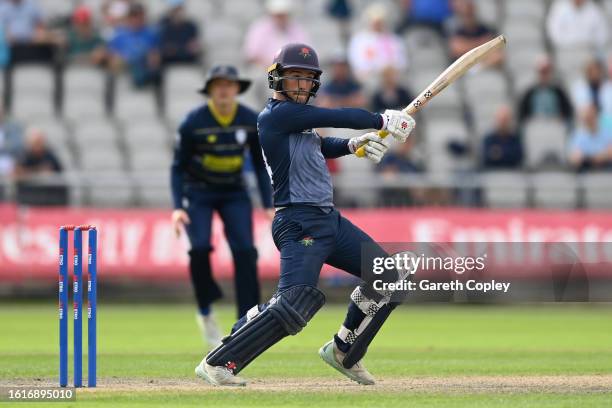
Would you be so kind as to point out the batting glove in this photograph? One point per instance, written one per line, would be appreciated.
(375, 147)
(398, 123)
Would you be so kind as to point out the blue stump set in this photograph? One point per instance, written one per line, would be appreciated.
(77, 286)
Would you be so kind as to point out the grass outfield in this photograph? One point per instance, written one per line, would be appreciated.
(528, 356)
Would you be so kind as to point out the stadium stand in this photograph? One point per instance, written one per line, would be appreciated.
(115, 141)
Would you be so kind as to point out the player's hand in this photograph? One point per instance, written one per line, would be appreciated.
(398, 123)
(179, 220)
(375, 147)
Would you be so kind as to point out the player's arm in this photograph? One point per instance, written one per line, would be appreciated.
(291, 117)
(334, 147)
(263, 179)
(298, 117)
(177, 170)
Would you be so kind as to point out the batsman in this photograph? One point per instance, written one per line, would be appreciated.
(307, 229)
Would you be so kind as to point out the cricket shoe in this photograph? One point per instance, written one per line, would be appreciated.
(218, 376)
(333, 356)
(210, 329)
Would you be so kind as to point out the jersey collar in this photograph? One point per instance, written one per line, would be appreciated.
(226, 120)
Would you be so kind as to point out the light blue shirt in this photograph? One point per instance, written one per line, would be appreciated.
(20, 20)
(590, 144)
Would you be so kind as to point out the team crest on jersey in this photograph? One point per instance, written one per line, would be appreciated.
(305, 52)
(211, 138)
(307, 241)
(241, 136)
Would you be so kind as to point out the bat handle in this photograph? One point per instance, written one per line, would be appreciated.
(361, 150)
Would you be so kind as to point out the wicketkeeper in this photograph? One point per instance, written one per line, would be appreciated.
(206, 178)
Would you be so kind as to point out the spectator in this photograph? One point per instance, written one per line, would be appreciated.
(341, 11)
(25, 31)
(179, 36)
(593, 89)
(342, 90)
(397, 161)
(5, 51)
(83, 42)
(577, 24)
(391, 94)
(114, 15)
(545, 98)
(11, 143)
(372, 49)
(426, 13)
(502, 147)
(468, 32)
(590, 146)
(39, 160)
(267, 35)
(136, 47)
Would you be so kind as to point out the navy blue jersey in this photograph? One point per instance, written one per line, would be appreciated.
(210, 151)
(295, 154)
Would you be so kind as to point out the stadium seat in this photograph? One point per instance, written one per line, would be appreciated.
(243, 11)
(140, 105)
(115, 191)
(224, 31)
(182, 79)
(154, 190)
(80, 106)
(102, 159)
(526, 10)
(544, 142)
(177, 108)
(150, 160)
(80, 79)
(488, 12)
(198, 9)
(437, 137)
(596, 189)
(33, 78)
(146, 136)
(521, 31)
(485, 84)
(571, 62)
(504, 189)
(95, 133)
(55, 10)
(554, 190)
(31, 105)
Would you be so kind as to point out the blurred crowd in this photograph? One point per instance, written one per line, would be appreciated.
(367, 70)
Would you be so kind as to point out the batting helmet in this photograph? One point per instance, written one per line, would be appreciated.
(298, 56)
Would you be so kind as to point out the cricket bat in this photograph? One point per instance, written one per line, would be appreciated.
(450, 75)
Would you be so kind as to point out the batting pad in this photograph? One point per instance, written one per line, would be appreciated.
(287, 314)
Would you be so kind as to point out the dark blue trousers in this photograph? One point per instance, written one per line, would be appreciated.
(308, 237)
(234, 208)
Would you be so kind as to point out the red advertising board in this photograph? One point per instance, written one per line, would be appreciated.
(140, 243)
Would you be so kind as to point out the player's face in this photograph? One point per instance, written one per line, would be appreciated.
(297, 84)
(223, 91)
